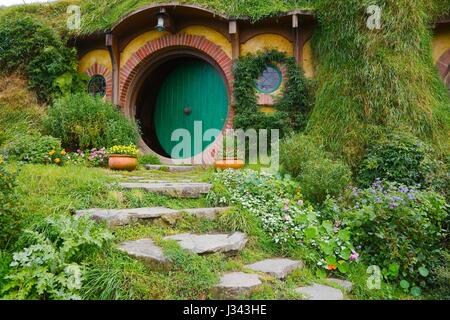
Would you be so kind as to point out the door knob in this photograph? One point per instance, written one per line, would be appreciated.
(187, 111)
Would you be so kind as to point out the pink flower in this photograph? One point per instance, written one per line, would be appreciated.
(300, 203)
(287, 218)
(354, 256)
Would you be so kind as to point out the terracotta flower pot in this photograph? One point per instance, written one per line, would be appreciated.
(122, 162)
(230, 163)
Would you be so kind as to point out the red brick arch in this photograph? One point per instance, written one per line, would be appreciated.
(99, 69)
(140, 58)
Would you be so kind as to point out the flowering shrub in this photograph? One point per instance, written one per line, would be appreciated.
(94, 157)
(56, 157)
(399, 229)
(130, 150)
(51, 267)
(284, 215)
(32, 148)
(76, 158)
(98, 157)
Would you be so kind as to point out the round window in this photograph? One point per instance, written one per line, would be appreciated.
(270, 80)
(97, 86)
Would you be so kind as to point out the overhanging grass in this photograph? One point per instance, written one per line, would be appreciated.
(370, 82)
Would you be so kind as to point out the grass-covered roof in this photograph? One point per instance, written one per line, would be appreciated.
(101, 15)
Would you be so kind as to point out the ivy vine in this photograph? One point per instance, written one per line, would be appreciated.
(291, 108)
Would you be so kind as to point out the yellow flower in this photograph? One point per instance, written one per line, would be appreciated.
(51, 153)
(63, 153)
(57, 160)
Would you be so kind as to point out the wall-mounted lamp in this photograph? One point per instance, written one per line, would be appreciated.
(161, 18)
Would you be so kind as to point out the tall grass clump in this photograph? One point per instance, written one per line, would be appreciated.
(370, 82)
(85, 122)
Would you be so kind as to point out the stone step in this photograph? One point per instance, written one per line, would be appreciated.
(211, 243)
(345, 284)
(234, 285)
(170, 168)
(276, 267)
(122, 217)
(172, 189)
(320, 292)
(164, 181)
(146, 251)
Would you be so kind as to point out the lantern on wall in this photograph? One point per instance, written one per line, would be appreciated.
(161, 18)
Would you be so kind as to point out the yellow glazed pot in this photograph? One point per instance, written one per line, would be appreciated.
(122, 162)
(230, 163)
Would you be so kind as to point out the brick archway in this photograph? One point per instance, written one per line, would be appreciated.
(141, 58)
(99, 69)
(443, 66)
(134, 69)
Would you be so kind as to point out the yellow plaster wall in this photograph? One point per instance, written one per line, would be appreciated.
(95, 56)
(267, 41)
(441, 43)
(137, 43)
(211, 35)
(308, 60)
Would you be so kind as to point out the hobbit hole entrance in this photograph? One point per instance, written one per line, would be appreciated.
(175, 94)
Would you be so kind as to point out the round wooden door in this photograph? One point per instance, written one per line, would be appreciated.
(193, 94)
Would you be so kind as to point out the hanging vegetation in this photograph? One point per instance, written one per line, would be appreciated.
(370, 82)
(292, 107)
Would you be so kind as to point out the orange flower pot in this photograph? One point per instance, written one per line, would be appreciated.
(122, 162)
(229, 163)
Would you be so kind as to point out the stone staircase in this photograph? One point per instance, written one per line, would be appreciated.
(232, 285)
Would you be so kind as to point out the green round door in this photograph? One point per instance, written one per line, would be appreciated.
(191, 95)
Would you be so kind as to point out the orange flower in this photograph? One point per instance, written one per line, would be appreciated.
(331, 267)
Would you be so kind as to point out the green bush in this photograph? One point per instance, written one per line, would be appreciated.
(32, 148)
(324, 177)
(319, 176)
(51, 265)
(30, 47)
(296, 150)
(397, 157)
(9, 219)
(440, 277)
(400, 229)
(149, 159)
(84, 122)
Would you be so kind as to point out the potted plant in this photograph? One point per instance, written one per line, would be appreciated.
(228, 156)
(123, 157)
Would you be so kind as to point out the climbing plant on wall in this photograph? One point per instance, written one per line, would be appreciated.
(291, 108)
